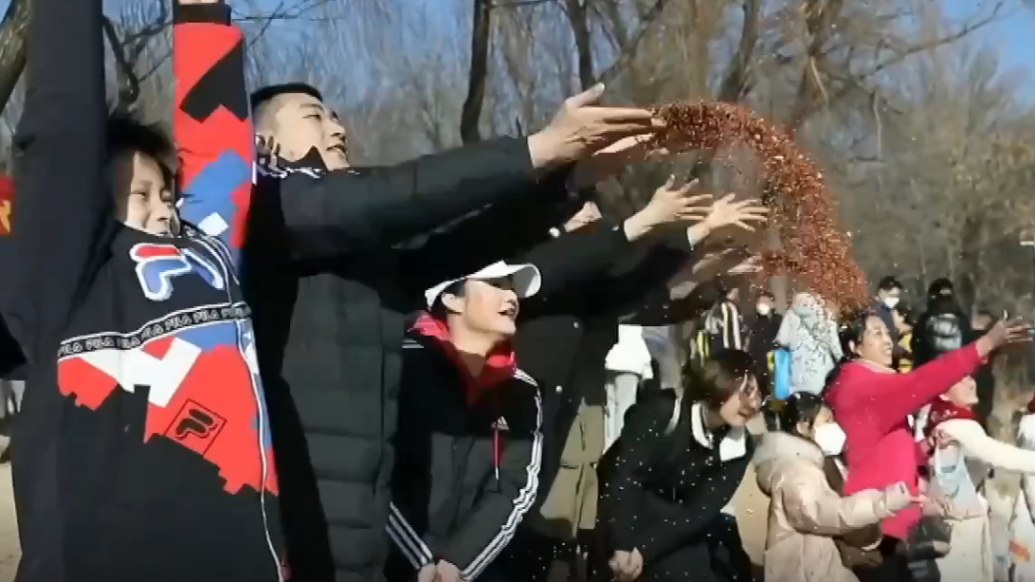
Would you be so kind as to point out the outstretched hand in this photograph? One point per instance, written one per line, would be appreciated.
(672, 202)
(610, 161)
(581, 127)
(1004, 332)
(725, 213)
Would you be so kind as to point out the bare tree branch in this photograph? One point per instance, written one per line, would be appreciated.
(628, 52)
(735, 81)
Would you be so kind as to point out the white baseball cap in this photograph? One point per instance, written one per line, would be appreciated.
(525, 279)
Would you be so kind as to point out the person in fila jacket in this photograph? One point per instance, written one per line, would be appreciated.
(468, 444)
(143, 446)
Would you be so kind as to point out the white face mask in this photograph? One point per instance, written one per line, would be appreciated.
(891, 302)
(763, 308)
(831, 438)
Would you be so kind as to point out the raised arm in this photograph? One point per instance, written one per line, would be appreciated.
(211, 121)
(327, 214)
(633, 288)
(979, 445)
(63, 206)
(499, 231)
(903, 394)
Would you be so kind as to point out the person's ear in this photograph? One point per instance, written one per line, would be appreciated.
(453, 303)
(804, 429)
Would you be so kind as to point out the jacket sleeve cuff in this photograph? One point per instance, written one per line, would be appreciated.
(217, 13)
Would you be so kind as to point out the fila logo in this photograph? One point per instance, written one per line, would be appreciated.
(159, 264)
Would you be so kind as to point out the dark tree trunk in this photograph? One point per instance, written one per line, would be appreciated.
(478, 74)
(579, 18)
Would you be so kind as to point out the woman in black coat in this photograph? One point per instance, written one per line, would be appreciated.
(676, 466)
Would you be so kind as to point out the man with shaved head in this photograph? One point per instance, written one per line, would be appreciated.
(332, 266)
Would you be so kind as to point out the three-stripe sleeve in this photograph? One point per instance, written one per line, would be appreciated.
(406, 539)
(492, 524)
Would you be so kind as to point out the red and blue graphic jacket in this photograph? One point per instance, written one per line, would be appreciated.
(143, 449)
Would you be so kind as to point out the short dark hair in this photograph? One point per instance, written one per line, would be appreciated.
(125, 133)
(265, 94)
(888, 283)
(800, 407)
(852, 329)
(718, 378)
(438, 308)
(906, 313)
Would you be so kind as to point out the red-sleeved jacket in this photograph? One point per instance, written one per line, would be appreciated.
(871, 406)
(212, 124)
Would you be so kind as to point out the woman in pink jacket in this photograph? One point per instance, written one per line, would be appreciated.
(872, 402)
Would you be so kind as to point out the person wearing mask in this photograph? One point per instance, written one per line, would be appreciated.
(809, 333)
(333, 265)
(808, 517)
(872, 402)
(762, 332)
(962, 456)
(889, 295)
(142, 448)
(676, 466)
(942, 327)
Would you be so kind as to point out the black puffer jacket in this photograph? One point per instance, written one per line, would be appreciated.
(328, 284)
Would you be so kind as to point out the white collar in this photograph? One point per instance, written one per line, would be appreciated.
(732, 446)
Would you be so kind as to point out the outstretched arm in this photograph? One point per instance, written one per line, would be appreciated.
(812, 508)
(211, 120)
(327, 214)
(979, 445)
(499, 231)
(63, 206)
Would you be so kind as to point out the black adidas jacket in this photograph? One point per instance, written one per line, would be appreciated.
(140, 448)
(468, 453)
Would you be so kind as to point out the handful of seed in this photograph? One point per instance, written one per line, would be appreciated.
(813, 249)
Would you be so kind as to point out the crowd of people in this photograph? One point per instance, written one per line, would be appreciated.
(449, 369)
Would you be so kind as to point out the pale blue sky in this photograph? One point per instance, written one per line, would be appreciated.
(1012, 36)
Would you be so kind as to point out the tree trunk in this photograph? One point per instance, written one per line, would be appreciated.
(819, 21)
(577, 16)
(477, 76)
(13, 30)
